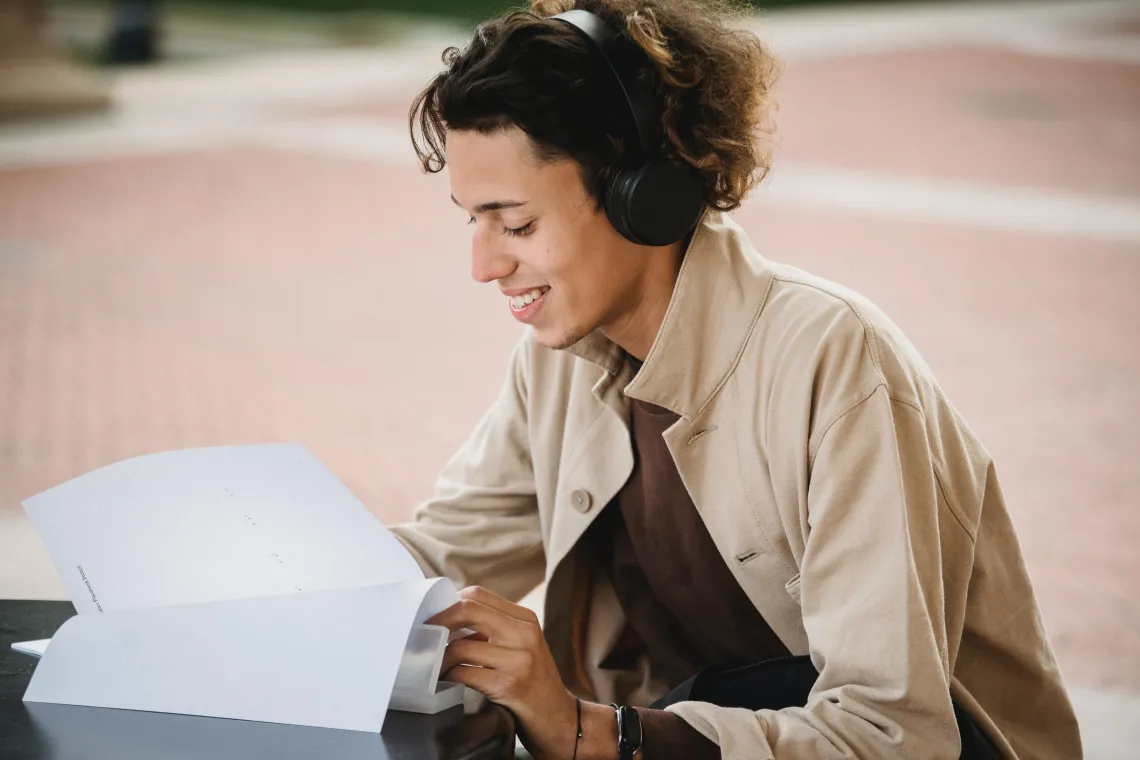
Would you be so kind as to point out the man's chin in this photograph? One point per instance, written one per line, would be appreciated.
(558, 340)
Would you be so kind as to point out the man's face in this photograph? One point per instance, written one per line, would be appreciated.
(540, 237)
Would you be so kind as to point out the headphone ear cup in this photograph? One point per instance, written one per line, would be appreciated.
(655, 204)
(618, 195)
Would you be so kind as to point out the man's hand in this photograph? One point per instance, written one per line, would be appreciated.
(508, 660)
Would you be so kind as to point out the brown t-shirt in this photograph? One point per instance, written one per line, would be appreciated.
(683, 606)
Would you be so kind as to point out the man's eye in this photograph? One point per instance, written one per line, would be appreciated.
(526, 229)
(471, 220)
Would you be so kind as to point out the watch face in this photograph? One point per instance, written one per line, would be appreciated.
(629, 732)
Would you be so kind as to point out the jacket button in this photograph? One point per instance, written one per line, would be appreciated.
(581, 500)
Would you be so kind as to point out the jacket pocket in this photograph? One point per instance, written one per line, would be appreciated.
(793, 587)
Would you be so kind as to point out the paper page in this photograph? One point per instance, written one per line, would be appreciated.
(326, 659)
(34, 648)
(208, 524)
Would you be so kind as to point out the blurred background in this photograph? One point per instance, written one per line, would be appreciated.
(213, 231)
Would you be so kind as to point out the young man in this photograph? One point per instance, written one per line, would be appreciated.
(711, 459)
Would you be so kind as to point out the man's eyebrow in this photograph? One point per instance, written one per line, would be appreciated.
(482, 208)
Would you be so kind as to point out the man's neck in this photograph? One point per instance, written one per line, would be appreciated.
(637, 328)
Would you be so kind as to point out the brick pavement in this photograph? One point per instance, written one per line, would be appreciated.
(275, 280)
(976, 114)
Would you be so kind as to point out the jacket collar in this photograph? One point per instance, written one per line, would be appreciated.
(720, 291)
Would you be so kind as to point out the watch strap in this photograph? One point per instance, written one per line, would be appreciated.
(630, 734)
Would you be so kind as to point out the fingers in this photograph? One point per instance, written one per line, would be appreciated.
(466, 633)
(479, 617)
(479, 653)
(489, 616)
(482, 680)
(494, 601)
(492, 623)
(503, 675)
(511, 665)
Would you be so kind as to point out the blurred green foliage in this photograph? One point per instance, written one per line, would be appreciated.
(470, 10)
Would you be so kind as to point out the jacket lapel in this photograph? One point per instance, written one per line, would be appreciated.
(595, 468)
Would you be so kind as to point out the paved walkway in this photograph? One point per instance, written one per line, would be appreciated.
(244, 251)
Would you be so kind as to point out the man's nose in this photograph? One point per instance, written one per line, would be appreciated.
(489, 261)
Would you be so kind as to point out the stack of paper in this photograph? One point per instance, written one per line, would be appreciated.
(237, 582)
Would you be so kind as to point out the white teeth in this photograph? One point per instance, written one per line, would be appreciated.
(520, 302)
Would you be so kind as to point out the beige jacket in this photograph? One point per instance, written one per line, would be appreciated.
(847, 496)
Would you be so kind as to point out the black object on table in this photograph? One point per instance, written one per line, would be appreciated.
(64, 732)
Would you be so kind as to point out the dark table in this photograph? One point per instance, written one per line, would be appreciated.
(63, 732)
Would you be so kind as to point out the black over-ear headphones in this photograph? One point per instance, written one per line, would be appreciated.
(654, 201)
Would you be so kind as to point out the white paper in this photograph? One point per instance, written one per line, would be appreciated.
(237, 582)
(35, 648)
(261, 659)
(208, 524)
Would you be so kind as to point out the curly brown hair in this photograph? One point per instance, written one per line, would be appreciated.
(711, 76)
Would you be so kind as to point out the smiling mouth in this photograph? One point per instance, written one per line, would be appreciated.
(519, 303)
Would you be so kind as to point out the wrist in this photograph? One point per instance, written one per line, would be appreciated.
(599, 733)
(550, 734)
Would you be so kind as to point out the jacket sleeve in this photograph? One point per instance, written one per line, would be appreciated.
(481, 527)
(872, 599)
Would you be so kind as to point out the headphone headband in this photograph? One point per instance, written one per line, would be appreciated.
(622, 55)
(653, 201)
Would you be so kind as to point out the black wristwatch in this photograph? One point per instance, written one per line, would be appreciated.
(629, 732)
